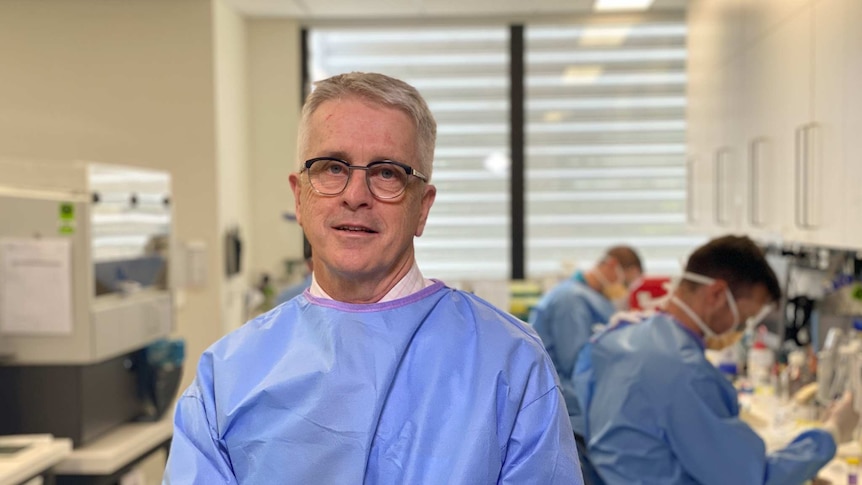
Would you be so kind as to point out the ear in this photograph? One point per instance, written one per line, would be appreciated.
(715, 295)
(296, 188)
(427, 201)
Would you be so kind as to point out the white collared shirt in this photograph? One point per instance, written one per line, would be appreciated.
(412, 282)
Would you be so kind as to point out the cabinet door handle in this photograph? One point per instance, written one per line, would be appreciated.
(689, 190)
(807, 152)
(799, 150)
(755, 206)
(720, 186)
(809, 181)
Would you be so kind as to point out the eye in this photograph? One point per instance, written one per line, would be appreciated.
(331, 167)
(386, 173)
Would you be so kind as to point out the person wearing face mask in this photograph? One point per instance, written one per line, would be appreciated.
(564, 318)
(655, 411)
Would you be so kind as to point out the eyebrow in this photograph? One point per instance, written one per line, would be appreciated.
(343, 156)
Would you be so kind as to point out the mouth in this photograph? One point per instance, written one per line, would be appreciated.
(355, 229)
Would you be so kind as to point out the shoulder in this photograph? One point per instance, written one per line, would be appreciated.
(655, 344)
(488, 318)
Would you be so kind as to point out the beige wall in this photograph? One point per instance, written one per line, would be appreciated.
(128, 82)
(274, 100)
(185, 86)
(232, 149)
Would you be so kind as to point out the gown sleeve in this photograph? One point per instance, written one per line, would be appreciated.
(716, 447)
(197, 456)
(541, 448)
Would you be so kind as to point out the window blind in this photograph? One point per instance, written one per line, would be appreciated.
(605, 149)
(462, 72)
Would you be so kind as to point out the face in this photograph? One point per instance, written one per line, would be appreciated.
(749, 305)
(357, 238)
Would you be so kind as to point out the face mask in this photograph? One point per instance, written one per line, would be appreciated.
(712, 340)
(616, 292)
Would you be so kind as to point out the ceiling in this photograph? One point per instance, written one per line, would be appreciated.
(371, 9)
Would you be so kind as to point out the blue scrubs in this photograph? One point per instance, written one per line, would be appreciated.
(657, 412)
(564, 319)
(435, 388)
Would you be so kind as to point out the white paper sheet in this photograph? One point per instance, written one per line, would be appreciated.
(35, 287)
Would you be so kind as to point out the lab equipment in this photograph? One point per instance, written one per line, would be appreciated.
(760, 361)
(798, 373)
(852, 470)
(828, 387)
(85, 250)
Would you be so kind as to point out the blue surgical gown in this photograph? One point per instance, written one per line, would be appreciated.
(657, 412)
(564, 319)
(438, 387)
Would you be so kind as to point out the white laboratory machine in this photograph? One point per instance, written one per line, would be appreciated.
(84, 285)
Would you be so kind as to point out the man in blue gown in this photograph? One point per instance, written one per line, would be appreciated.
(657, 412)
(565, 317)
(375, 374)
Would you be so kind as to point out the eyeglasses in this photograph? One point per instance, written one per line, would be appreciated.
(386, 179)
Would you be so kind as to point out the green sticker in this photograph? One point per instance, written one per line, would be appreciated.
(67, 211)
(67, 229)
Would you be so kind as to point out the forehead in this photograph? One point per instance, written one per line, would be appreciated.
(357, 128)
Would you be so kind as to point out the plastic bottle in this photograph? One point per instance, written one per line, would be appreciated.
(798, 374)
(760, 361)
(852, 470)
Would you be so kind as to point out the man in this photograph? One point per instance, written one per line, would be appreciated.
(376, 374)
(564, 318)
(657, 412)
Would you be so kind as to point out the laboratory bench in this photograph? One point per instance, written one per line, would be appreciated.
(26, 457)
(107, 458)
(778, 421)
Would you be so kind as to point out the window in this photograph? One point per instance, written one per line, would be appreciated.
(605, 131)
(462, 72)
(605, 139)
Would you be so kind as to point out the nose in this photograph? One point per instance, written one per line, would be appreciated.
(357, 193)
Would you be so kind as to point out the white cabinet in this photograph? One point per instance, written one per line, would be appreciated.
(777, 106)
(852, 105)
(783, 135)
(712, 116)
(821, 193)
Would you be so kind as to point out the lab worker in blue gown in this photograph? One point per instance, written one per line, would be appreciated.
(375, 374)
(657, 412)
(566, 316)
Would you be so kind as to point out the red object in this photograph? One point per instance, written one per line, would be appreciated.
(646, 292)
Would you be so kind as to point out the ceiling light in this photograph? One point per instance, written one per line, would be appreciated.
(606, 5)
(604, 36)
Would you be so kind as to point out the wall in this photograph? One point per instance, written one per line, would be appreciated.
(274, 104)
(126, 82)
(232, 151)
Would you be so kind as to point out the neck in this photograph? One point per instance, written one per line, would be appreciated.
(362, 289)
(680, 315)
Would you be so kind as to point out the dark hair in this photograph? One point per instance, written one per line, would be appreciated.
(626, 256)
(736, 260)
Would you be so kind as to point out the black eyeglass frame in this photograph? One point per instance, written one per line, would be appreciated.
(349, 166)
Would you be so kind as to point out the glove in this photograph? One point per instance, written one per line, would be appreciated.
(841, 419)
